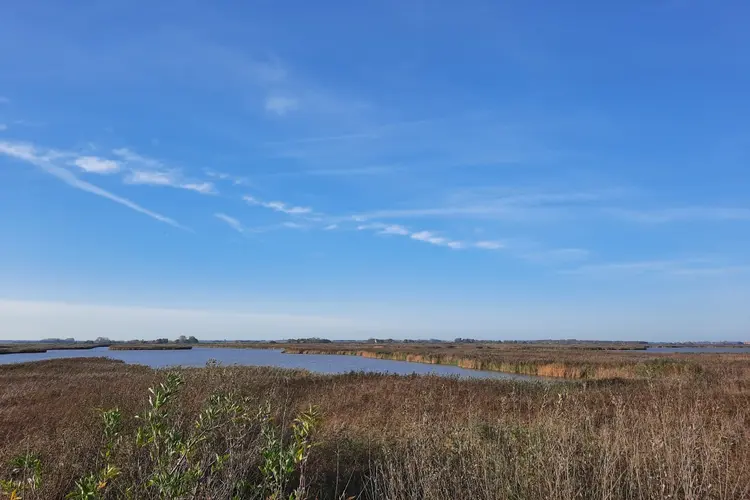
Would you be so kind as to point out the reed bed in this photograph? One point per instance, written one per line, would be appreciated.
(406, 437)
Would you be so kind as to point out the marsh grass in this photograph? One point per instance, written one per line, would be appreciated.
(387, 436)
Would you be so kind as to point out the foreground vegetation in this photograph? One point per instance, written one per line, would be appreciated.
(582, 362)
(235, 432)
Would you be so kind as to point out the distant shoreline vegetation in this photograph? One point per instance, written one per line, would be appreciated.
(163, 344)
(34, 347)
(57, 344)
(149, 347)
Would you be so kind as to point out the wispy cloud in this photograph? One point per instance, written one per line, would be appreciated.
(281, 105)
(394, 229)
(398, 230)
(433, 239)
(96, 165)
(153, 172)
(675, 267)
(3, 127)
(45, 160)
(375, 132)
(133, 157)
(231, 221)
(683, 214)
(199, 187)
(331, 227)
(278, 206)
(382, 228)
(149, 177)
(515, 206)
(241, 228)
(489, 245)
(521, 249)
(234, 179)
(4, 100)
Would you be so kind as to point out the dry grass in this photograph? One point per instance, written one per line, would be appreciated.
(37, 347)
(387, 436)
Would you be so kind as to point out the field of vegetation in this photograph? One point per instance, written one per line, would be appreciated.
(587, 361)
(69, 427)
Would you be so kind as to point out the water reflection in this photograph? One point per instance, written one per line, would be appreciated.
(320, 363)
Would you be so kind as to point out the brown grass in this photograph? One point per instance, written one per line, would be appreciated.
(37, 347)
(387, 436)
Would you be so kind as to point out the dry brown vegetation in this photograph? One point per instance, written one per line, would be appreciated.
(37, 347)
(575, 362)
(387, 436)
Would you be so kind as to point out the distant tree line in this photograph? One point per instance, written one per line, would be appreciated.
(182, 339)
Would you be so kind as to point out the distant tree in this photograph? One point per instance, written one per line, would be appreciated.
(192, 340)
(161, 341)
(182, 340)
(102, 340)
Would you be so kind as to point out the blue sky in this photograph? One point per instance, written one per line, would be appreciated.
(397, 168)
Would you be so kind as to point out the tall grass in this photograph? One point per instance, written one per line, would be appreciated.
(381, 436)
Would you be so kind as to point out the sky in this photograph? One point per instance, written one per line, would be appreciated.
(275, 169)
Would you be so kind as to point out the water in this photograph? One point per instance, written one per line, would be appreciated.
(716, 350)
(320, 363)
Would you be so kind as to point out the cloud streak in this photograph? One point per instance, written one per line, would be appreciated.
(682, 214)
(277, 206)
(231, 222)
(424, 236)
(152, 172)
(675, 267)
(45, 161)
(96, 165)
(523, 205)
(489, 245)
(234, 179)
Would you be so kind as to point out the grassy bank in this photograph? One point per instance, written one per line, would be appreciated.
(149, 347)
(384, 436)
(37, 347)
(571, 362)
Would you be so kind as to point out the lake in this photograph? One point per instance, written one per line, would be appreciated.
(319, 363)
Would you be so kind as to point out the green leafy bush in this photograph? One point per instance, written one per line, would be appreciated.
(177, 461)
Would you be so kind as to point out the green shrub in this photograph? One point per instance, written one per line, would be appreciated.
(26, 476)
(177, 462)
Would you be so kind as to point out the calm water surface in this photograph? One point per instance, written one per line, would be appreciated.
(320, 363)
